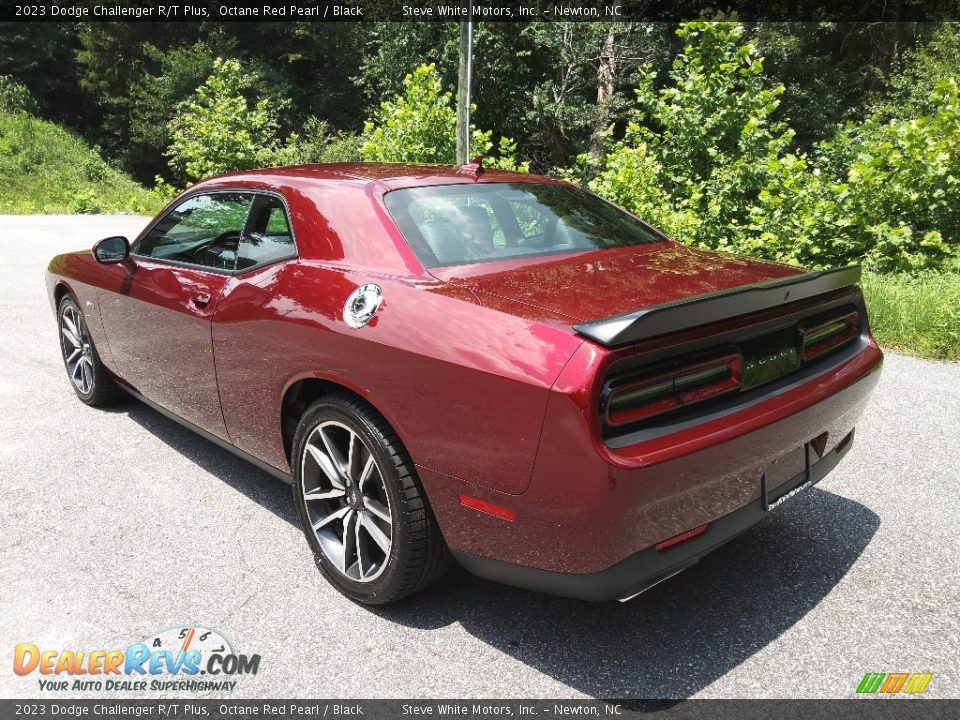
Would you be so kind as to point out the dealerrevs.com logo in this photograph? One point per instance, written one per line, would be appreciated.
(195, 659)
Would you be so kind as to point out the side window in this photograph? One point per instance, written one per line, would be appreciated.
(203, 230)
(268, 237)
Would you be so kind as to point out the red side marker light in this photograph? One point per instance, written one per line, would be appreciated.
(682, 537)
(487, 508)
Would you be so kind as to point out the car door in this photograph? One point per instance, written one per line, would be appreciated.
(157, 315)
(251, 344)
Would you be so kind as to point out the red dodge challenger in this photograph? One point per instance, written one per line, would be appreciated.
(497, 368)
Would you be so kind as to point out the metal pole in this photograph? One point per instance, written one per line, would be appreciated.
(464, 80)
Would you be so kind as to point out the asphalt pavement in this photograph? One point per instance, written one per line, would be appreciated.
(118, 523)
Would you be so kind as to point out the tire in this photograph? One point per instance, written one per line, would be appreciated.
(343, 497)
(88, 377)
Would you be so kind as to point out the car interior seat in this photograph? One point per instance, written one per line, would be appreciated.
(475, 220)
(445, 241)
(565, 238)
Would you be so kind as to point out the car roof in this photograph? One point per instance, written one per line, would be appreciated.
(390, 174)
(333, 209)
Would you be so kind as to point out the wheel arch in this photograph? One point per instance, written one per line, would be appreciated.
(305, 389)
(60, 289)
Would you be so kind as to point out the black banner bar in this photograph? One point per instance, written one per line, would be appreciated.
(483, 10)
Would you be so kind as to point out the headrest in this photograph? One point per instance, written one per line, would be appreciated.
(476, 221)
(444, 239)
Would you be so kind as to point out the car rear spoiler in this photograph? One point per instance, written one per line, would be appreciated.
(711, 307)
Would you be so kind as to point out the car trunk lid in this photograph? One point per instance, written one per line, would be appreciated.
(588, 286)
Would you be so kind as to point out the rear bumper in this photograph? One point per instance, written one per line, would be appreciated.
(643, 570)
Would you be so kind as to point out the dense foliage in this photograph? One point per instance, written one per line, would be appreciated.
(704, 158)
(217, 130)
(418, 126)
(699, 152)
(816, 143)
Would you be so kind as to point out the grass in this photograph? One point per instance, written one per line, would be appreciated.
(916, 315)
(47, 169)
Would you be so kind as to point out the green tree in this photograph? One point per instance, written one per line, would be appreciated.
(911, 88)
(701, 150)
(40, 56)
(895, 203)
(706, 159)
(217, 130)
(110, 59)
(420, 127)
(829, 69)
(153, 99)
(388, 46)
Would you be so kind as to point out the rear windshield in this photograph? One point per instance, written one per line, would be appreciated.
(458, 224)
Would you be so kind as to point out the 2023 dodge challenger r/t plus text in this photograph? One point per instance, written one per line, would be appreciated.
(468, 364)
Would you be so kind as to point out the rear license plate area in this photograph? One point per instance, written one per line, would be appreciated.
(785, 477)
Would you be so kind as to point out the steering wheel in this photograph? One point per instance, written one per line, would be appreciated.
(223, 236)
(220, 249)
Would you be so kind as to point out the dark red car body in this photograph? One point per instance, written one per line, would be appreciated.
(484, 377)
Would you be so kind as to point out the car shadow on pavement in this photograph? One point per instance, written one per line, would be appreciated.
(668, 643)
(258, 485)
(680, 636)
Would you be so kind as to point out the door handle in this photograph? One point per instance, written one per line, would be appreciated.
(201, 299)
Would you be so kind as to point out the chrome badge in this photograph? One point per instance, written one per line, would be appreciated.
(362, 305)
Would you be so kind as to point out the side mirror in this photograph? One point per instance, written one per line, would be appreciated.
(112, 250)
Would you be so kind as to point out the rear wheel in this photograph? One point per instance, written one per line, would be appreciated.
(362, 507)
(88, 376)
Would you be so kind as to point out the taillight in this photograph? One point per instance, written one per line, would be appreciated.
(634, 399)
(817, 340)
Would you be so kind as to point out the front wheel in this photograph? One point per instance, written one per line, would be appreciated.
(362, 507)
(88, 376)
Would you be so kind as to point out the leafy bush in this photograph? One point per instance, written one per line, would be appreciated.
(86, 202)
(95, 168)
(705, 161)
(217, 130)
(420, 127)
(315, 143)
(902, 189)
(163, 191)
(506, 157)
(881, 193)
(702, 149)
(15, 97)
